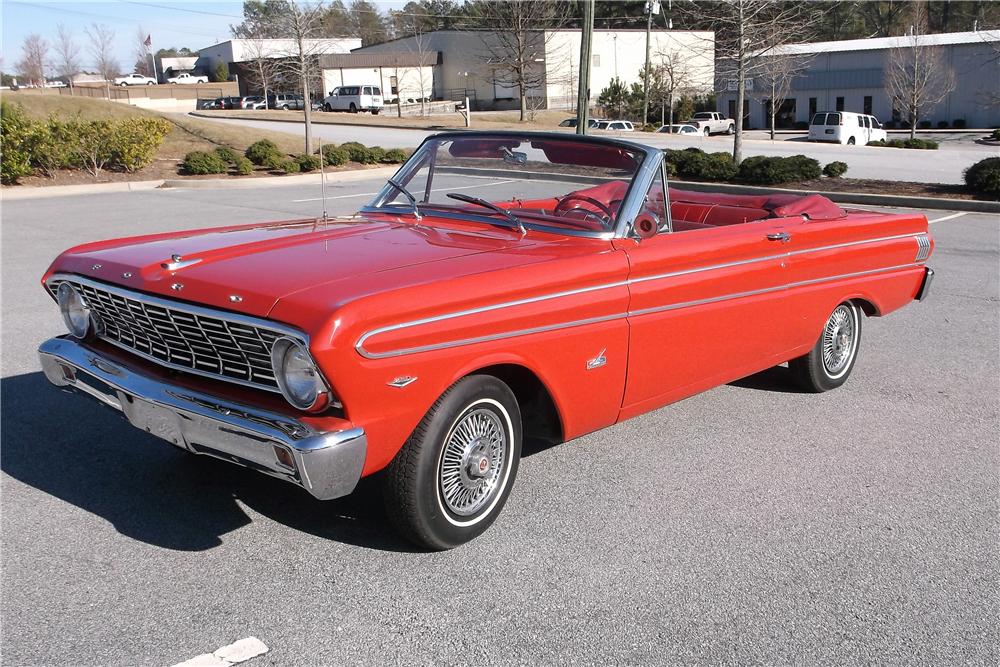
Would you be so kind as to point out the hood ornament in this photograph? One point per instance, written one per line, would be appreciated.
(177, 262)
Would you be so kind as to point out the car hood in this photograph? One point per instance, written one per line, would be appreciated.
(248, 269)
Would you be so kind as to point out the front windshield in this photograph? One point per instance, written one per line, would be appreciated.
(516, 181)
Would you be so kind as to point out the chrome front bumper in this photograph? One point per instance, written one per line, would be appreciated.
(326, 464)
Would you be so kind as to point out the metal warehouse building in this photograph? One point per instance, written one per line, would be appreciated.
(850, 75)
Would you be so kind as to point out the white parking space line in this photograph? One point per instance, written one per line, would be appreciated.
(948, 217)
(372, 194)
(231, 654)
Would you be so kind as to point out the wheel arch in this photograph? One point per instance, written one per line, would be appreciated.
(540, 415)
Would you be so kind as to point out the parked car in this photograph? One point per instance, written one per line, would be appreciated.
(712, 122)
(187, 79)
(571, 122)
(618, 125)
(682, 128)
(135, 79)
(846, 127)
(252, 102)
(354, 99)
(224, 103)
(426, 336)
(286, 102)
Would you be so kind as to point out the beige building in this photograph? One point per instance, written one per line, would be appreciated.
(463, 68)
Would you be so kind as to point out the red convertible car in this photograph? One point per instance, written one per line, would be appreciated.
(499, 286)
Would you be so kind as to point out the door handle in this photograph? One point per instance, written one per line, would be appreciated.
(784, 237)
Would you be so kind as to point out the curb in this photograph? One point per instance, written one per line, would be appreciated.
(899, 201)
(10, 194)
(332, 178)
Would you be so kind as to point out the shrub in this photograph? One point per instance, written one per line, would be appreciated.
(200, 162)
(958, 123)
(290, 167)
(984, 176)
(766, 170)
(227, 154)
(924, 124)
(924, 144)
(50, 146)
(801, 125)
(244, 167)
(995, 136)
(648, 127)
(308, 162)
(221, 72)
(15, 130)
(398, 155)
(376, 154)
(835, 169)
(91, 149)
(358, 152)
(335, 156)
(264, 152)
(942, 124)
(134, 141)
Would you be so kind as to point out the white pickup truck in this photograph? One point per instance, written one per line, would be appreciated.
(712, 122)
(187, 78)
(135, 79)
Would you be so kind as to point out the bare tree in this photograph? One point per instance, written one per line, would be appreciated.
(775, 73)
(101, 49)
(263, 68)
(514, 37)
(917, 78)
(67, 54)
(672, 75)
(744, 34)
(302, 24)
(142, 53)
(34, 57)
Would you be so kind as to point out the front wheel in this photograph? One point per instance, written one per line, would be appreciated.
(830, 362)
(707, 132)
(353, 108)
(375, 112)
(453, 475)
(851, 142)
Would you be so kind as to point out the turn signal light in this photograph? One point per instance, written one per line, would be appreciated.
(284, 457)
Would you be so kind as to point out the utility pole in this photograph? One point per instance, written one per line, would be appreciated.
(652, 7)
(583, 88)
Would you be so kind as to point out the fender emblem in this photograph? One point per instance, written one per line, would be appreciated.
(402, 381)
(597, 361)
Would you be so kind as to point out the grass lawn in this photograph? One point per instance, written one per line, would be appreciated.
(189, 134)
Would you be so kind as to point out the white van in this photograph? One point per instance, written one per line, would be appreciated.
(354, 99)
(845, 127)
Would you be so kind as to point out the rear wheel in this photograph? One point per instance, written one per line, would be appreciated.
(830, 362)
(452, 477)
(327, 108)
(284, 107)
(731, 129)
(851, 142)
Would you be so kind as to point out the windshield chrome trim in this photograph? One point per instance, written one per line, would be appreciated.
(638, 189)
(432, 211)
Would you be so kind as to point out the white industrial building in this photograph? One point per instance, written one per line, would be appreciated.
(462, 68)
(850, 75)
(235, 51)
(406, 76)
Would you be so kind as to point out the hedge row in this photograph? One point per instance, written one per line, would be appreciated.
(696, 164)
(922, 144)
(984, 176)
(30, 146)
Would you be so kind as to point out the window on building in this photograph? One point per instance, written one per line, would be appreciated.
(394, 85)
(840, 104)
(812, 107)
(596, 60)
(868, 104)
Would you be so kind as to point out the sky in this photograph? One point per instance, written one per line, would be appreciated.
(171, 23)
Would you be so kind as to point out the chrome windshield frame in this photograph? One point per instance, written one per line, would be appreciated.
(630, 207)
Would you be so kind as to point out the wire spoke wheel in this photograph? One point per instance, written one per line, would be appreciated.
(838, 340)
(472, 461)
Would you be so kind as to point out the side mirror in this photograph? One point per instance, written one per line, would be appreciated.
(646, 224)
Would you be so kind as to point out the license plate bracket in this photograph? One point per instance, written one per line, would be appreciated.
(155, 420)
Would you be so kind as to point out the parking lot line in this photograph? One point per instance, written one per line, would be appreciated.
(948, 217)
(231, 654)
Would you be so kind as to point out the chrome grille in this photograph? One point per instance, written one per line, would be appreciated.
(183, 337)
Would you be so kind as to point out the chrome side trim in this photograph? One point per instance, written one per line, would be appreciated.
(327, 464)
(616, 316)
(360, 344)
(923, 247)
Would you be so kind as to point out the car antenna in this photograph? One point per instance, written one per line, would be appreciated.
(322, 175)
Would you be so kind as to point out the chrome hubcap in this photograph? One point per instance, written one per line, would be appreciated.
(838, 340)
(474, 456)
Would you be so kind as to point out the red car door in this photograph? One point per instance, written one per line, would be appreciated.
(706, 305)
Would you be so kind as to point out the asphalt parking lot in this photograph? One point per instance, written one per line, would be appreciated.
(748, 524)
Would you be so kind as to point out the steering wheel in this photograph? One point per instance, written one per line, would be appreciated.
(561, 207)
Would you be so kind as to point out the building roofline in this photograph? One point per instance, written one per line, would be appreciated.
(879, 43)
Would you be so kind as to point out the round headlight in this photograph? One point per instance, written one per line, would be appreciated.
(298, 378)
(75, 312)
